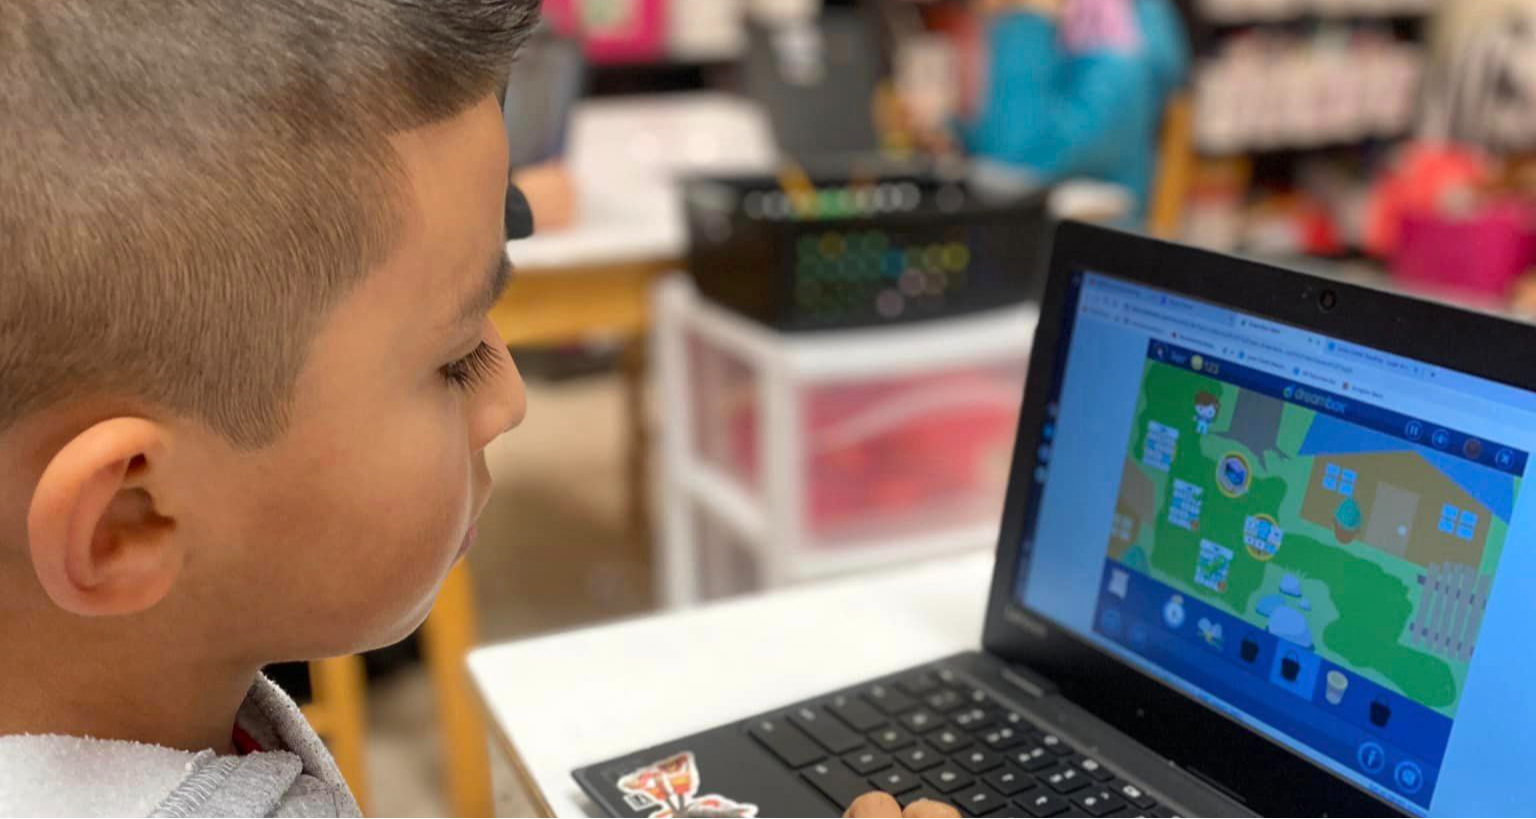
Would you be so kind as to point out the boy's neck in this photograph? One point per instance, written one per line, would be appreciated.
(106, 689)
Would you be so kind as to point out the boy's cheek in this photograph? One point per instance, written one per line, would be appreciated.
(359, 545)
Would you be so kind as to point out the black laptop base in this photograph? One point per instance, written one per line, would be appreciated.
(965, 730)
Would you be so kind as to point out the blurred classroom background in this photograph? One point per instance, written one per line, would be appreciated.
(777, 314)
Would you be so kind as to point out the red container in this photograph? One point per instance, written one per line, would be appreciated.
(1485, 254)
(909, 454)
(614, 31)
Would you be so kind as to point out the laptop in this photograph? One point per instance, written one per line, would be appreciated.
(1260, 555)
(541, 95)
(817, 83)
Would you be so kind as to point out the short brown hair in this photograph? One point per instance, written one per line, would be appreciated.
(188, 186)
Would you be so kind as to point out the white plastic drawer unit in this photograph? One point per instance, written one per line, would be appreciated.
(825, 453)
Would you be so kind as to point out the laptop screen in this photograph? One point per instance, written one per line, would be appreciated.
(1318, 539)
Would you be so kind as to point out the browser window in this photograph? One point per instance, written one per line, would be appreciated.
(1321, 540)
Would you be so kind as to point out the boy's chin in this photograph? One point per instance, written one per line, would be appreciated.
(382, 635)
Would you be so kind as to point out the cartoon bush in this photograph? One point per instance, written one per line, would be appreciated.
(1346, 521)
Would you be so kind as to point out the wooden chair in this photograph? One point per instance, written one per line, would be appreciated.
(339, 708)
(1176, 168)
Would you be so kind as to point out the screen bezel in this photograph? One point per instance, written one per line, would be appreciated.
(1267, 777)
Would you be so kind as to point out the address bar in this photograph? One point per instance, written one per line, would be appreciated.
(1170, 322)
(1402, 393)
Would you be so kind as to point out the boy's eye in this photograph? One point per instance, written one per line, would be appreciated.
(467, 373)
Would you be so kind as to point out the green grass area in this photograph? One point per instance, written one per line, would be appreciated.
(1373, 608)
(1170, 393)
(1372, 602)
(1498, 531)
(1295, 423)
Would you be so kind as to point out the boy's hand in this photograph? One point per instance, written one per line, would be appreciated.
(876, 804)
(551, 192)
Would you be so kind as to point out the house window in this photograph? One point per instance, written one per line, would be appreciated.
(1448, 517)
(1466, 526)
(1340, 480)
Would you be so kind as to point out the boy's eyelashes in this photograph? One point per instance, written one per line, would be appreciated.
(468, 372)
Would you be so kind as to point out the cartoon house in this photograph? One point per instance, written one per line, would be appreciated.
(1136, 505)
(1406, 507)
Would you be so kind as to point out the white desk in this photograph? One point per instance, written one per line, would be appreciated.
(563, 701)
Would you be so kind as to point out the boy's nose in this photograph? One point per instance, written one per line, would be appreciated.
(511, 401)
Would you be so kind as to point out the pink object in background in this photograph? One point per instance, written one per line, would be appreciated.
(1485, 253)
(908, 454)
(1100, 25)
(1424, 177)
(882, 458)
(613, 31)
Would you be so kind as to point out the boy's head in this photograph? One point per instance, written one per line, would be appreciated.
(246, 374)
(1207, 405)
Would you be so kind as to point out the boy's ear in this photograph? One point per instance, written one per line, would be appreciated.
(100, 543)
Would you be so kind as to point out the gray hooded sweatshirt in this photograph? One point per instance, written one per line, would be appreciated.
(74, 776)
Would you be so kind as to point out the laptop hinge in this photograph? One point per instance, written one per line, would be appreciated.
(1214, 783)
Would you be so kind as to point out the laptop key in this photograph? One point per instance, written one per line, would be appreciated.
(825, 729)
(1065, 779)
(976, 696)
(948, 778)
(1034, 758)
(1136, 796)
(891, 739)
(894, 781)
(1042, 803)
(1056, 745)
(923, 792)
(1099, 802)
(787, 742)
(920, 684)
(919, 757)
(835, 781)
(867, 762)
(856, 712)
(921, 721)
(978, 761)
(945, 699)
(972, 719)
(979, 801)
(1010, 780)
(948, 740)
(1001, 739)
(1092, 767)
(889, 700)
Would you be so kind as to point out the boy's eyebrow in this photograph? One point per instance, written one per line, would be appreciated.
(498, 276)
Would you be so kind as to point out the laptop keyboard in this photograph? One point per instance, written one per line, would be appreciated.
(929, 734)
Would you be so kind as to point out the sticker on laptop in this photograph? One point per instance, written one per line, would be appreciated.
(669, 788)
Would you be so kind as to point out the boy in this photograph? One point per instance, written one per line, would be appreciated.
(246, 374)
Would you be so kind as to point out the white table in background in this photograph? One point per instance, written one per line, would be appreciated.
(559, 702)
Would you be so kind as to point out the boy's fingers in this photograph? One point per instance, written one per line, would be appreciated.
(930, 808)
(874, 804)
